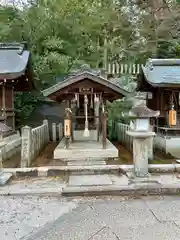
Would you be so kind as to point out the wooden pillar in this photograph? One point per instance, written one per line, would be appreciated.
(104, 130)
(72, 136)
(98, 123)
(7, 104)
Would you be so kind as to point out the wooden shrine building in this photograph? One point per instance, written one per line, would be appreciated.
(161, 77)
(15, 76)
(85, 93)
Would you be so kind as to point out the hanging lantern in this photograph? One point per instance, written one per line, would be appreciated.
(172, 117)
(67, 128)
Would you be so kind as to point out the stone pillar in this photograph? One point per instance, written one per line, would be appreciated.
(150, 145)
(150, 148)
(26, 136)
(1, 161)
(45, 121)
(60, 131)
(54, 132)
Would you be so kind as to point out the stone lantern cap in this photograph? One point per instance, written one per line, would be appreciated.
(142, 111)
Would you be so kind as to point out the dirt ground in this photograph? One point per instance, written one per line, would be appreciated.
(13, 162)
(46, 158)
(125, 157)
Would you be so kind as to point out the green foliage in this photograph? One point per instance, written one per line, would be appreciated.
(65, 34)
(118, 111)
(24, 104)
(169, 49)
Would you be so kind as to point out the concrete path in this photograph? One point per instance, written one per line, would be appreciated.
(117, 218)
(22, 216)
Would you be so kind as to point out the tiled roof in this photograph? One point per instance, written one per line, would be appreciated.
(13, 60)
(80, 75)
(162, 71)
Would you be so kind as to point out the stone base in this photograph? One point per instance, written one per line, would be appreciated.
(89, 180)
(84, 150)
(133, 179)
(4, 178)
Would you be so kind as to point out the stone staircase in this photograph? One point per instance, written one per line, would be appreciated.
(82, 181)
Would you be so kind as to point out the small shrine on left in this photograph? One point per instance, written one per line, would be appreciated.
(16, 75)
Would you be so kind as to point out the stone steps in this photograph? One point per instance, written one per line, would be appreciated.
(5, 178)
(89, 180)
(119, 190)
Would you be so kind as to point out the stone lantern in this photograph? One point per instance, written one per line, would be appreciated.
(141, 134)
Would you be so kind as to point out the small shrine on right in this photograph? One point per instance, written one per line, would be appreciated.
(161, 78)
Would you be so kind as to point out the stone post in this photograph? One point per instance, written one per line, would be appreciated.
(150, 145)
(26, 137)
(54, 132)
(1, 136)
(45, 121)
(1, 161)
(60, 131)
(141, 137)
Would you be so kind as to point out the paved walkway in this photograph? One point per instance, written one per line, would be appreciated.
(106, 218)
(22, 216)
(110, 218)
(117, 218)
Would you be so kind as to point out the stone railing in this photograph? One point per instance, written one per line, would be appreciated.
(33, 142)
(122, 137)
(127, 141)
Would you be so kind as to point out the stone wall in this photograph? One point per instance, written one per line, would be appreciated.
(11, 146)
(170, 145)
(33, 142)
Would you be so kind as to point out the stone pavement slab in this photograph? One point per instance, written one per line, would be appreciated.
(125, 213)
(82, 225)
(22, 216)
(30, 185)
(161, 231)
(89, 180)
(166, 209)
(105, 234)
(112, 219)
(119, 179)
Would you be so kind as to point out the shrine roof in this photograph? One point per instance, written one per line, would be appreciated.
(15, 63)
(78, 76)
(161, 73)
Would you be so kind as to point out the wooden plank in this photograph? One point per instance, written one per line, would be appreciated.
(134, 68)
(113, 68)
(109, 68)
(126, 68)
(122, 68)
(117, 68)
(130, 68)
